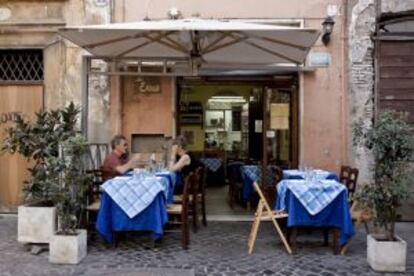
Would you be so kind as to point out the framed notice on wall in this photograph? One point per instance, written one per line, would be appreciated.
(279, 116)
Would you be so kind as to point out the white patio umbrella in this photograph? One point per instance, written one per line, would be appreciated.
(199, 40)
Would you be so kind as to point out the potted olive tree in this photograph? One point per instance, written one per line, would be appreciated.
(39, 141)
(69, 244)
(391, 141)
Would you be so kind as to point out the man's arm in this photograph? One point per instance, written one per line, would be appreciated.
(132, 163)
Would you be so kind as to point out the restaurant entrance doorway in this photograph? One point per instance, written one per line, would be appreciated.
(228, 120)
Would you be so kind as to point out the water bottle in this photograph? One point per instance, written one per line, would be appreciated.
(152, 163)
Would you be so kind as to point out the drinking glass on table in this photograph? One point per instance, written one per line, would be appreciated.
(137, 174)
(161, 167)
(312, 175)
(306, 174)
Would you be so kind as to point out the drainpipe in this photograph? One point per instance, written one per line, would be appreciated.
(112, 12)
(378, 5)
(346, 129)
(85, 94)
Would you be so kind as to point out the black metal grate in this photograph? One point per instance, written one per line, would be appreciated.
(21, 65)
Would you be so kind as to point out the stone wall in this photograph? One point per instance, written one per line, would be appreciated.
(86, 12)
(396, 5)
(99, 126)
(361, 74)
(64, 84)
(362, 14)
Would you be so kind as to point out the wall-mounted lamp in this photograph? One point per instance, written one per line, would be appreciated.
(327, 25)
(174, 13)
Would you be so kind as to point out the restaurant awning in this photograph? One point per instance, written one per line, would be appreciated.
(201, 41)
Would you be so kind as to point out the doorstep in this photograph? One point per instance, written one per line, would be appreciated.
(229, 217)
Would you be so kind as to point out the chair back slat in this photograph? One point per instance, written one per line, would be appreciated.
(352, 181)
(196, 183)
(187, 190)
(349, 177)
(344, 174)
(201, 179)
(96, 155)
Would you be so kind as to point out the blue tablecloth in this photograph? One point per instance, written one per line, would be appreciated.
(336, 215)
(320, 174)
(213, 164)
(314, 195)
(112, 218)
(174, 181)
(249, 174)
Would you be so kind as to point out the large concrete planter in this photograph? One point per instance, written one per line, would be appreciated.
(35, 224)
(68, 249)
(387, 256)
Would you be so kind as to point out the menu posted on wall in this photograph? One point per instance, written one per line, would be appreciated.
(279, 116)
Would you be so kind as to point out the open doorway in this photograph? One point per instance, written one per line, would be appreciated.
(223, 124)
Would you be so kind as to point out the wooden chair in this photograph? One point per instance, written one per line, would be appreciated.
(180, 211)
(235, 182)
(196, 198)
(95, 157)
(360, 214)
(352, 181)
(349, 177)
(93, 201)
(201, 195)
(265, 213)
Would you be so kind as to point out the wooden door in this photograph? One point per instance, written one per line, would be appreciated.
(395, 89)
(25, 100)
(396, 77)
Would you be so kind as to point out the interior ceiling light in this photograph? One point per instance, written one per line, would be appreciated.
(228, 100)
(228, 97)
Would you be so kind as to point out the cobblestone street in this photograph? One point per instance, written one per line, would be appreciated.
(219, 249)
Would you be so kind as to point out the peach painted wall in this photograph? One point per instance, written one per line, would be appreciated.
(146, 114)
(324, 125)
(324, 106)
(154, 9)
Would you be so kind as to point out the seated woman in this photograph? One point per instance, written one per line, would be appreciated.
(181, 160)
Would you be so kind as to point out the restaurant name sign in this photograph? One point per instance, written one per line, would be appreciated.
(148, 85)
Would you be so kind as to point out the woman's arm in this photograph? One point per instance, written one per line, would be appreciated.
(181, 163)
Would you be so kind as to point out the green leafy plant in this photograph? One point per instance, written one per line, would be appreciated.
(39, 141)
(58, 176)
(390, 140)
(69, 199)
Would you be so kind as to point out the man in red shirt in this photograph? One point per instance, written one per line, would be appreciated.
(116, 163)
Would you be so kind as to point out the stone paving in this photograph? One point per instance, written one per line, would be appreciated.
(219, 249)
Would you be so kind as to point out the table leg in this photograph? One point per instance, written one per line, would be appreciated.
(291, 235)
(325, 236)
(115, 239)
(335, 241)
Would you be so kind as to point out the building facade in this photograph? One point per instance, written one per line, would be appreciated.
(316, 104)
(38, 69)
